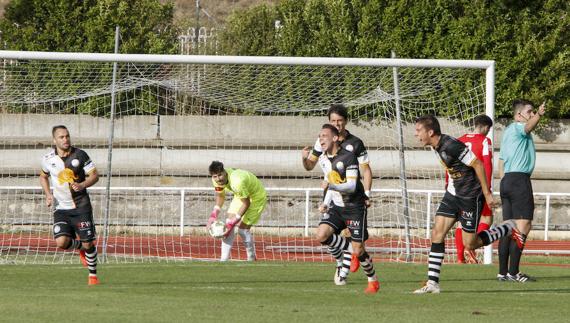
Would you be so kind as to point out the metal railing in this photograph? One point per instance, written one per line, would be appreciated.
(307, 192)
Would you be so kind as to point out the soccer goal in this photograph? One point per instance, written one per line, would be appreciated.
(155, 122)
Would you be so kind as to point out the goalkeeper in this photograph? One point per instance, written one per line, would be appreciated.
(245, 209)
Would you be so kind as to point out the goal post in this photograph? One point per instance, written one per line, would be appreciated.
(175, 114)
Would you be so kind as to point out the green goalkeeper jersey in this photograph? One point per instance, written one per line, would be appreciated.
(243, 184)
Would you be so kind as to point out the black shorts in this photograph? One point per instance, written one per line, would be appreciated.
(333, 220)
(467, 210)
(74, 222)
(517, 197)
(354, 218)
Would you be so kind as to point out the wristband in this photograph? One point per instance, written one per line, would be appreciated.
(367, 193)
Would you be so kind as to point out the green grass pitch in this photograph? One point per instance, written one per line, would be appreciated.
(276, 292)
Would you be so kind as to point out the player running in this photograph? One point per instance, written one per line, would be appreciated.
(245, 209)
(482, 147)
(71, 171)
(338, 117)
(344, 202)
(463, 200)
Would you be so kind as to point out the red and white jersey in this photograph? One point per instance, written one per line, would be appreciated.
(481, 146)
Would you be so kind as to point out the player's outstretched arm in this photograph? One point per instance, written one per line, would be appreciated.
(236, 219)
(533, 121)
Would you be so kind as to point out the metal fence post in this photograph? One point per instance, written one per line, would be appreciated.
(182, 195)
(307, 209)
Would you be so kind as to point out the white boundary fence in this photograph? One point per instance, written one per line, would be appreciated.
(307, 193)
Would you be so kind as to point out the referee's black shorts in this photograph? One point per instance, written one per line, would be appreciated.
(516, 196)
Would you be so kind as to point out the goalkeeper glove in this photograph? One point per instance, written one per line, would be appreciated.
(213, 216)
(231, 223)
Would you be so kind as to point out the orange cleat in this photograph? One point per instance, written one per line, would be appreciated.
(93, 280)
(82, 258)
(373, 287)
(354, 263)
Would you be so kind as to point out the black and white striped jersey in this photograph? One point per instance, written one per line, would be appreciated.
(457, 159)
(338, 169)
(65, 170)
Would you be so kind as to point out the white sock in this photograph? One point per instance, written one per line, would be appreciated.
(247, 237)
(227, 243)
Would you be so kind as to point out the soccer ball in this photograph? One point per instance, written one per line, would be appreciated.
(217, 229)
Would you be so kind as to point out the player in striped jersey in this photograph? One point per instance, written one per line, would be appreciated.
(482, 147)
(71, 171)
(463, 199)
(338, 117)
(245, 209)
(344, 202)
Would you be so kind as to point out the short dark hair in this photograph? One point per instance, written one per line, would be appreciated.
(216, 167)
(483, 120)
(430, 122)
(338, 108)
(56, 128)
(332, 128)
(519, 104)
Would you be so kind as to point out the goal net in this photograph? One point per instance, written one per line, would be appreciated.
(173, 115)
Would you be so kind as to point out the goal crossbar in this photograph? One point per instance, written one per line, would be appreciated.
(245, 60)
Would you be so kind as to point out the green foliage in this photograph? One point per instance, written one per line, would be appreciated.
(529, 40)
(89, 26)
(146, 27)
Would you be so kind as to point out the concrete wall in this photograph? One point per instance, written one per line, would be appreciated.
(269, 146)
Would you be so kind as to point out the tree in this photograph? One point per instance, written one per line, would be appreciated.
(89, 26)
(529, 40)
(146, 26)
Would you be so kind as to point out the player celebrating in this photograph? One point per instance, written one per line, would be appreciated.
(71, 171)
(245, 209)
(338, 117)
(344, 189)
(463, 199)
(481, 146)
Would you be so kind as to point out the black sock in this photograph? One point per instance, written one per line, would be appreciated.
(516, 254)
(504, 246)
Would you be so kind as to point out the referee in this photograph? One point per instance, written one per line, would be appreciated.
(518, 157)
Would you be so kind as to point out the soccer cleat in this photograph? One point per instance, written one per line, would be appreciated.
(517, 236)
(430, 287)
(93, 280)
(354, 263)
(471, 257)
(520, 277)
(338, 279)
(373, 287)
(82, 258)
(502, 278)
